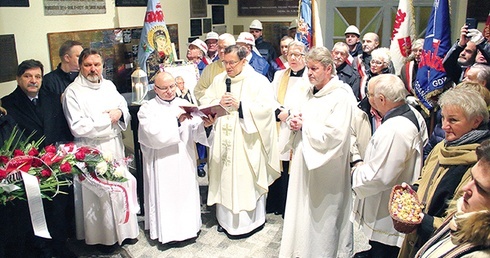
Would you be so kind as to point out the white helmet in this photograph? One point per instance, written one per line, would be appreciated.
(352, 30)
(256, 25)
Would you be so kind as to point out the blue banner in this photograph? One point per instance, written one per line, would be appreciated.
(431, 76)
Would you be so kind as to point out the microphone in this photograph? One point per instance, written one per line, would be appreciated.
(228, 84)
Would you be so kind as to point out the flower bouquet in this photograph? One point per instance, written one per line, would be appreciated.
(21, 160)
(53, 167)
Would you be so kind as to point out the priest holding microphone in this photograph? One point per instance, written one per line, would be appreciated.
(244, 159)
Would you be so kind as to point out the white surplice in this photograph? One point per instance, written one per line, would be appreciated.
(172, 203)
(316, 221)
(96, 208)
(244, 159)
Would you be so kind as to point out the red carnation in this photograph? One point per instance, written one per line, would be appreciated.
(36, 163)
(65, 167)
(80, 155)
(45, 173)
(33, 152)
(18, 152)
(50, 148)
(4, 159)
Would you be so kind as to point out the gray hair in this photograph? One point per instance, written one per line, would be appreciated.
(299, 44)
(391, 86)
(240, 51)
(322, 55)
(381, 53)
(469, 100)
(483, 74)
(228, 38)
(341, 45)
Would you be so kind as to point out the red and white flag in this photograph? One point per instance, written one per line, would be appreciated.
(403, 34)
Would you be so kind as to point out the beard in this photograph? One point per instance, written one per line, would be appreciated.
(93, 77)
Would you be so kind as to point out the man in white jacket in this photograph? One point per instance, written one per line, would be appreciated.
(393, 156)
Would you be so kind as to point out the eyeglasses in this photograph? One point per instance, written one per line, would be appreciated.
(231, 63)
(376, 62)
(296, 55)
(165, 88)
(369, 94)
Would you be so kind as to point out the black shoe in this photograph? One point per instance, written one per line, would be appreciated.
(201, 172)
(220, 228)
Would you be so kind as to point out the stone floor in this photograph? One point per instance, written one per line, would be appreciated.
(209, 243)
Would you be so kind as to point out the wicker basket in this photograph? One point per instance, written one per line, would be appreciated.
(403, 226)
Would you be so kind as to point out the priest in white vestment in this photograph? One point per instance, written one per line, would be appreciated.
(97, 114)
(288, 84)
(316, 222)
(244, 159)
(168, 136)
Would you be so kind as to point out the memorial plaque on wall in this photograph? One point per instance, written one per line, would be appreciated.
(62, 7)
(8, 58)
(267, 8)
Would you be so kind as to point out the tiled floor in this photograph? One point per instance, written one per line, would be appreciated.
(209, 243)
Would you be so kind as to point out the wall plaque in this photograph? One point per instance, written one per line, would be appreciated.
(267, 7)
(8, 58)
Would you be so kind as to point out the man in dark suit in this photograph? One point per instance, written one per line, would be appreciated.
(41, 111)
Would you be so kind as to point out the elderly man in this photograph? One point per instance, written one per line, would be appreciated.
(288, 84)
(345, 71)
(57, 80)
(211, 41)
(39, 113)
(479, 73)
(352, 40)
(208, 74)
(393, 156)
(244, 159)
(316, 222)
(258, 63)
(370, 42)
(97, 114)
(281, 62)
(167, 135)
(265, 48)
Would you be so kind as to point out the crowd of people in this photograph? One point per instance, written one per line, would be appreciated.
(303, 133)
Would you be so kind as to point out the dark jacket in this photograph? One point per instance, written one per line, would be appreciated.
(46, 118)
(265, 49)
(349, 75)
(260, 65)
(57, 80)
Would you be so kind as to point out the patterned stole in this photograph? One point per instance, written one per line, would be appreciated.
(281, 92)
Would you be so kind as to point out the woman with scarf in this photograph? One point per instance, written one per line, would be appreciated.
(465, 233)
(448, 167)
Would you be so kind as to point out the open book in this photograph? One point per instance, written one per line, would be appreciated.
(206, 110)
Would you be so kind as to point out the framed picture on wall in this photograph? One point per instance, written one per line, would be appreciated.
(217, 1)
(14, 3)
(206, 25)
(198, 8)
(196, 27)
(218, 14)
(131, 2)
